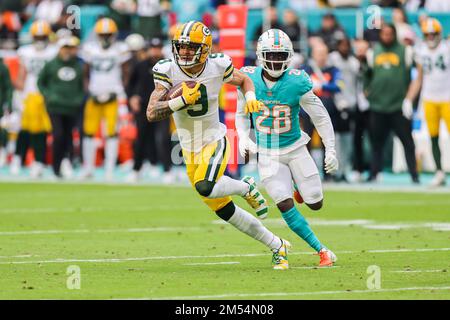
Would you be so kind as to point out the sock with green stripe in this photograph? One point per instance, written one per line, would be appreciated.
(300, 226)
(227, 186)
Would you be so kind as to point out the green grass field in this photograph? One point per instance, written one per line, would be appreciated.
(162, 242)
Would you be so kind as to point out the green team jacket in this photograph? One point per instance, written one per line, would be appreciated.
(387, 78)
(61, 84)
(5, 88)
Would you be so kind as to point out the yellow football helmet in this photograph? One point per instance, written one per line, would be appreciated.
(106, 30)
(432, 31)
(40, 31)
(40, 28)
(192, 36)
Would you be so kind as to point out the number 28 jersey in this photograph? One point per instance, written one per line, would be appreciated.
(277, 125)
(198, 125)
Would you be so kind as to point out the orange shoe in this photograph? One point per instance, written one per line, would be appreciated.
(297, 195)
(327, 257)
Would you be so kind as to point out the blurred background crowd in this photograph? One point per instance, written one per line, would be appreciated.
(75, 81)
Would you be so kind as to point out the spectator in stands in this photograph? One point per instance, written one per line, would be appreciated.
(344, 3)
(387, 80)
(187, 10)
(5, 108)
(271, 22)
(121, 12)
(49, 10)
(404, 31)
(291, 26)
(149, 17)
(301, 6)
(137, 47)
(388, 3)
(326, 83)
(361, 115)
(153, 141)
(330, 31)
(61, 84)
(345, 101)
(437, 5)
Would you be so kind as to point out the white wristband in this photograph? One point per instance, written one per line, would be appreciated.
(177, 103)
(250, 95)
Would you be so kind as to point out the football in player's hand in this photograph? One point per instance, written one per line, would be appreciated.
(177, 90)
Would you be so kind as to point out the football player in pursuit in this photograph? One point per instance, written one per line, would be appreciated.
(283, 155)
(433, 73)
(202, 137)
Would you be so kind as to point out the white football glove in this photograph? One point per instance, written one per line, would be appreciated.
(246, 144)
(331, 162)
(407, 109)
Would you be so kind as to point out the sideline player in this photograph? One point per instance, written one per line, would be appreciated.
(283, 155)
(106, 70)
(433, 73)
(202, 136)
(35, 122)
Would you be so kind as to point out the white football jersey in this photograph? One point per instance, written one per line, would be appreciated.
(105, 67)
(436, 71)
(198, 125)
(34, 60)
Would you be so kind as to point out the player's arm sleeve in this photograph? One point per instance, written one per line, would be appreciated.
(314, 107)
(161, 74)
(242, 120)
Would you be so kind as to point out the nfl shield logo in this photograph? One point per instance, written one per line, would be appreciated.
(269, 93)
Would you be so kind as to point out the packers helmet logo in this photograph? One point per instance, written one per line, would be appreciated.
(206, 31)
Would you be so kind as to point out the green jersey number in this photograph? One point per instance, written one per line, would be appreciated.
(200, 107)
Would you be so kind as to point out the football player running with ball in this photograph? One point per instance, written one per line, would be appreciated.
(283, 156)
(202, 137)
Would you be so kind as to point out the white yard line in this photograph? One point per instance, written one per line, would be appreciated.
(315, 268)
(131, 230)
(210, 263)
(418, 271)
(287, 294)
(113, 260)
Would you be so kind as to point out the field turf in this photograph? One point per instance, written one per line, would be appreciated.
(158, 242)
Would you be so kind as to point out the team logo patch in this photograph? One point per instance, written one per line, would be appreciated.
(66, 74)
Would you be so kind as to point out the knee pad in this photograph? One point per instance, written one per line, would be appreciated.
(204, 187)
(226, 212)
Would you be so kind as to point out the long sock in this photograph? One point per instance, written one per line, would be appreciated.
(38, 142)
(89, 153)
(436, 152)
(248, 224)
(300, 226)
(111, 149)
(23, 140)
(227, 186)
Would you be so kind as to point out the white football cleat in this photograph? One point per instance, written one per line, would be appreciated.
(132, 177)
(16, 164)
(438, 179)
(36, 170)
(66, 169)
